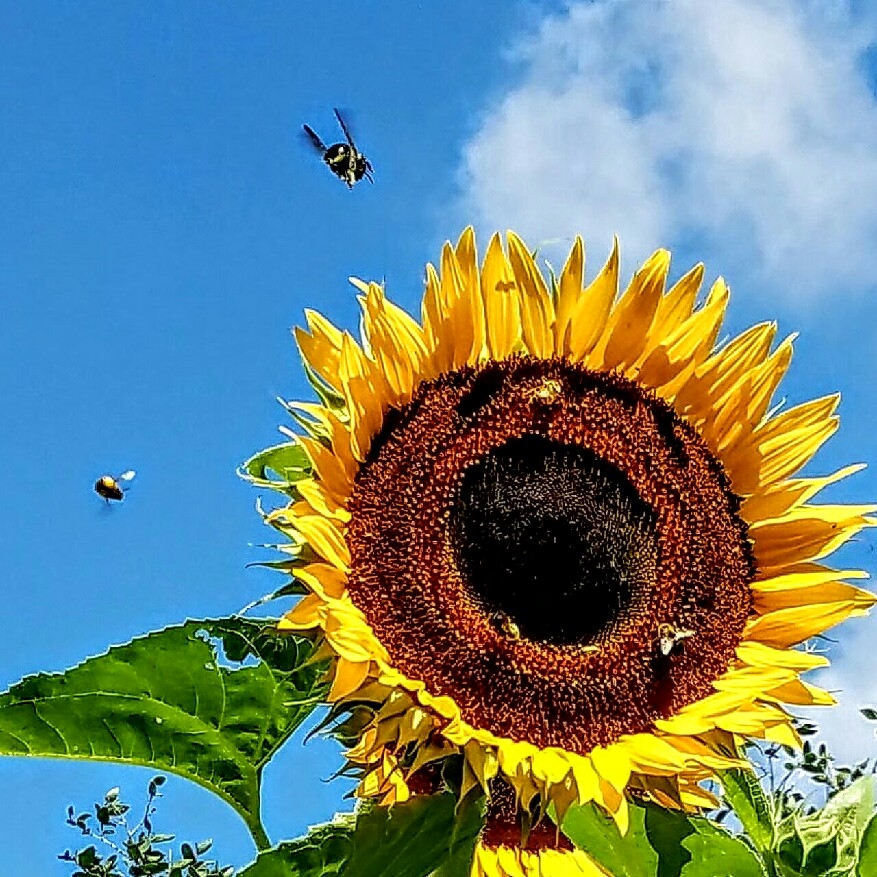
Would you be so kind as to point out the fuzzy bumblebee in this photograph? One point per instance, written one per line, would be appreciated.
(110, 487)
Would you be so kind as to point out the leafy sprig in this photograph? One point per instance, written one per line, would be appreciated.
(135, 850)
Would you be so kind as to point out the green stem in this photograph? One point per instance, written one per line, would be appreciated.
(257, 832)
(751, 806)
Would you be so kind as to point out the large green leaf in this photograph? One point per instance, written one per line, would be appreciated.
(630, 855)
(710, 850)
(468, 822)
(211, 701)
(423, 837)
(414, 839)
(660, 843)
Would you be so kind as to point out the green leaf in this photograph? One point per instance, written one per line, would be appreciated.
(464, 836)
(828, 842)
(423, 837)
(745, 795)
(166, 700)
(713, 851)
(289, 461)
(660, 843)
(415, 839)
(323, 851)
(867, 865)
(629, 856)
(869, 713)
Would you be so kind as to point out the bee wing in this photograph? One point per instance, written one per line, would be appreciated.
(346, 130)
(314, 139)
(127, 475)
(666, 644)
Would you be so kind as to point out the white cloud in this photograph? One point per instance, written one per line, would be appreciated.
(746, 126)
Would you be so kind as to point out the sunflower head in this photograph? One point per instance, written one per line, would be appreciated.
(556, 534)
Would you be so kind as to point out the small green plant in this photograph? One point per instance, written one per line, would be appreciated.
(134, 850)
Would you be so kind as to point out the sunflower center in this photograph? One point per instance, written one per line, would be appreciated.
(554, 539)
(551, 547)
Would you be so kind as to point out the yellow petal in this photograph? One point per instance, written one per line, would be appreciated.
(788, 627)
(831, 592)
(307, 613)
(806, 533)
(800, 693)
(592, 310)
(348, 677)
(612, 764)
(777, 499)
(365, 395)
(321, 500)
(328, 466)
(569, 292)
(757, 654)
(325, 580)
(467, 259)
(325, 538)
(537, 310)
(674, 309)
(395, 341)
(321, 347)
(806, 575)
(499, 291)
(631, 320)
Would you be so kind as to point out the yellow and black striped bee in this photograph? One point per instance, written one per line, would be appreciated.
(344, 159)
(110, 486)
(669, 636)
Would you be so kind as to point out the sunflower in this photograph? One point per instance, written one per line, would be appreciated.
(556, 533)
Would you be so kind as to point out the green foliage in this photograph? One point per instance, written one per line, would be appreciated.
(661, 843)
(138, 849)
(794, 837)
(746, 797)
(166, 700)
(867, 865)
(289, 461)
(826, 842)
(423, 837)
(323, 851)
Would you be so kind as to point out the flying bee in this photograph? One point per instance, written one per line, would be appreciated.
(669, 636)
(110, 486)
(344, 159)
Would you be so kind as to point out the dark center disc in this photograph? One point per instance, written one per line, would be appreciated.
(554, 539)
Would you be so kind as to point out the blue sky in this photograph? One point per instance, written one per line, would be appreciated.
(162, 228)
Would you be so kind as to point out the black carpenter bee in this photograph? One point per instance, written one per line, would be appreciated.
(110, 487)
(344, 159)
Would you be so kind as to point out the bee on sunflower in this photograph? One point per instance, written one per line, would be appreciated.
(589, 468)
